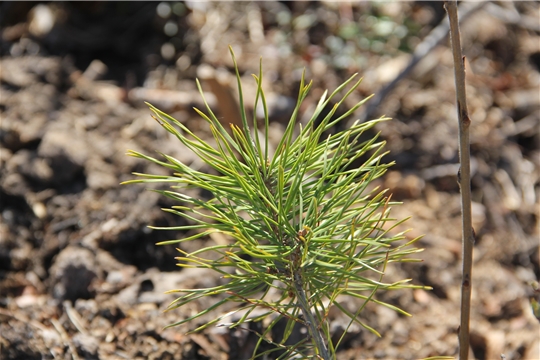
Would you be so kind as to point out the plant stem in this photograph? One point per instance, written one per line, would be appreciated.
(310, 319)
(464, 180)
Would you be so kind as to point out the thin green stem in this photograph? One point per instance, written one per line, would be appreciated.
(312, 324)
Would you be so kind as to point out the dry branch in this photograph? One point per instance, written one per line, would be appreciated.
(435, 37)
(464, 179)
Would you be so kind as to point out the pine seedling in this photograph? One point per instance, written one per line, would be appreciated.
(305, 221)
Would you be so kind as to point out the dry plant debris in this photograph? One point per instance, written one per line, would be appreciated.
(80, 274)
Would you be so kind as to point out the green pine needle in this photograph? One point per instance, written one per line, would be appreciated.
(304, 220)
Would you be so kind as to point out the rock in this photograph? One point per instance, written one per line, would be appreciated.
(66, 154)
(14, 184)
(87, 308)
(87, 346)
(27, 163)
(72, 274)
(100, 175)
(10, 139)
(30, 132)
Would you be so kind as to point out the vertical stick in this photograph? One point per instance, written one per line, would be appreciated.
(464, 179)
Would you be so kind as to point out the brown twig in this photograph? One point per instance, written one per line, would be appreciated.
(464, 179)
(65, 338)
(512, 16)
(435, 37)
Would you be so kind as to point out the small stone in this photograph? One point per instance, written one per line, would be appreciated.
(73, 271)
(87, 346)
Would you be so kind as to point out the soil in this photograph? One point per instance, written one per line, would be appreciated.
(80, 274)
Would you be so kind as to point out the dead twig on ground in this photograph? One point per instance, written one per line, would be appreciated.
(512, 16)
(435, 37)
(65, 338)
(464, 179)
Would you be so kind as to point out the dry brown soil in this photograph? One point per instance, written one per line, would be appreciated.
(80, 275)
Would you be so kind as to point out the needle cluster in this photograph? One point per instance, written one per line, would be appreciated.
(304, 221)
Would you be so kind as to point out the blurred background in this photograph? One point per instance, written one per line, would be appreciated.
(80, 275)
